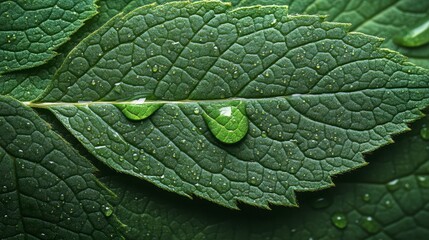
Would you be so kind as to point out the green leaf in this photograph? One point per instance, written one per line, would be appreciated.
(47, 190)
(398, 21)
(385, 200)
(316, 98)
(32, 30)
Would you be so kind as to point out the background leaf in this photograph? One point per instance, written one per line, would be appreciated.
(32, 30)
(389, 19)
(47, 190)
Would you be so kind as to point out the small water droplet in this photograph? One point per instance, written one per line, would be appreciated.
(155, 68)
(339, 220)
(322, 202)
(423, 181)
(388, 203)
(235, 74)
(135, 156)
(107, 211)
(197, 111)
(121, 158)
(369, 224)
(416, 37)
(366, 197)
(424, 133)
(227, 121)
(62, 197)
(393, 185)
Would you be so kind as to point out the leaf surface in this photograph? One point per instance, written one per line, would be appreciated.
(47, 190)
(31, 31)
(315, 97)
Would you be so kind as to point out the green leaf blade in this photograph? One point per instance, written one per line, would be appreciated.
(316, 98)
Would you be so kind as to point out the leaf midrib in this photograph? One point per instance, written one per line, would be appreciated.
(187, 101)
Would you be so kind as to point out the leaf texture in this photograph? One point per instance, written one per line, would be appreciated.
(48, 191)
(316, 98)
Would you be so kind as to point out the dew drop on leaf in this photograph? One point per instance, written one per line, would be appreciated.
(424, 133)
(227, 122)
(155, 68)
(423, 181)
(339, 220)
(369, 224)
(138, 111)
(393, 185)
(107, 211)
(322, 202)
(235, 74)
(417, 37)
(366, 197)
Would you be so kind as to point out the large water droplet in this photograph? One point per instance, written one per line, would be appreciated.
(339, 220)
(227, 121)
(369, 224)
(138, 111)
(417, 37)
(424, 133)
(322, 202)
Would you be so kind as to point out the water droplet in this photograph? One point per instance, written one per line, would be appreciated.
(322, 202)
(423, 181)
(235, 74)
(339, 220)
(107, 211)
(62, 197)
(155, 68)
(393, 185)
(369, 224)
(138, 111)
(366, 197)
(388, 203)
(135, 156)
(121, 158)
(416, 37)
(227, 121)
(424, 133)
(197, 111)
